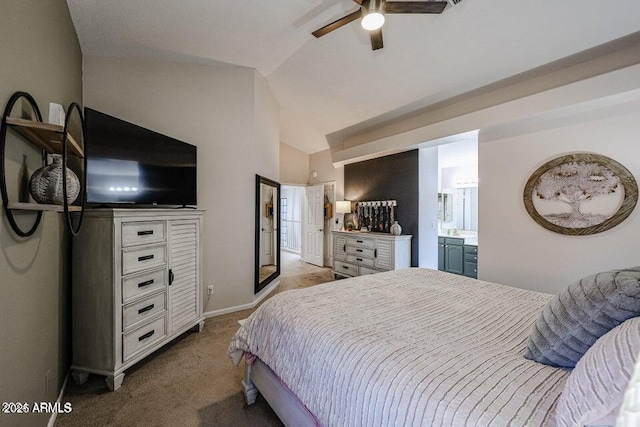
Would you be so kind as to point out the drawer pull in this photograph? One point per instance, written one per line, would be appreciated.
(359, 241)
(359, 259)
(344, 247)
(146, 257)
(345, 267)
(475, 257)
(147, 308)
(147, 335)
(475, 270)
(358, 250)
(171, 277)
(147, 283)
(145, 233)
(375, 253)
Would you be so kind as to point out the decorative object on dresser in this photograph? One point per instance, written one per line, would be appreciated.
(358, 254)
(376, 215)
(136, 287)
(580, 194)
(46, 184)
(343, 207)
(395, 229)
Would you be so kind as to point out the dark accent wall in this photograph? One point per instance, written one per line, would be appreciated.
(392, 177)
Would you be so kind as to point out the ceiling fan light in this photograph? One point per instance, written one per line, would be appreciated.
(372, 21)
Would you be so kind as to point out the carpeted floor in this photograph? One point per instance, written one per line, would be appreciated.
(189, 382)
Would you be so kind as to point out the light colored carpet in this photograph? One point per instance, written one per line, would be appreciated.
(189, 382)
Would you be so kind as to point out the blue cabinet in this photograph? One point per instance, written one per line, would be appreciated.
(471, 261)
(451, 255)
(456, 257)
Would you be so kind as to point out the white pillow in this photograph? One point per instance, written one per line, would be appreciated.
(595, 389)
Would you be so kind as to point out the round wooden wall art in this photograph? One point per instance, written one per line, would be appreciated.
(580, 194)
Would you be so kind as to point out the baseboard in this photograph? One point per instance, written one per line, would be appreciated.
(263, 294)
(54, 414)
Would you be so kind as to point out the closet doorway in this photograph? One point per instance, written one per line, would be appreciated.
(291, 201)
(295, 208)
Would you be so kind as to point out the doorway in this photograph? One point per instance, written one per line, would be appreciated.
(448, 194)
(308, 209)
(291, 201)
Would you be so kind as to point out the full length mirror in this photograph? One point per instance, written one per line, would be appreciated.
(267, 266)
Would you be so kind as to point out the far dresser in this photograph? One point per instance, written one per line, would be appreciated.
(136, 286)
(357, 254)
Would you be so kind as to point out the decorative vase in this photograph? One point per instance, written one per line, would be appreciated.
(46, 184)
(395, 229)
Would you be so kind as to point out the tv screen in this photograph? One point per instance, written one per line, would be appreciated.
(128, 164)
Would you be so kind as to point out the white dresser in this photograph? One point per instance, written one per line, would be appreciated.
(357, 254)
(136, 286)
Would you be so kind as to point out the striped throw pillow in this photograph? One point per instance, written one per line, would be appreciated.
(595, 389)
(575, 318)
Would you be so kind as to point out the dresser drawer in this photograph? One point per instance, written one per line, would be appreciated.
(346, 269)
(143, 233)
(141, 284)
(360, 252)
(360, 260)
(364, 271)
(145, 309)
(143, 337)
(137, 259)
(360, 242)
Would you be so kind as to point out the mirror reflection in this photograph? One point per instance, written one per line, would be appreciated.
(267, 237)
(458, 208)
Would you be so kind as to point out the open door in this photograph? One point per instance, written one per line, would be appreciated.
(313, 241)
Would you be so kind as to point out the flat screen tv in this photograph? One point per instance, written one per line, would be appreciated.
(130, 165)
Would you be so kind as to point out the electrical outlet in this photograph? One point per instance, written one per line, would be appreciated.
(210, 289)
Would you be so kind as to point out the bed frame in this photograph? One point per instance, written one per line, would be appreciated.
(290, 410)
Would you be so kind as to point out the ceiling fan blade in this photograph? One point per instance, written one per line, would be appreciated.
(376, 39)
(414, 6)
(338, 23)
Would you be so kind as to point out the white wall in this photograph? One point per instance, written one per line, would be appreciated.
(294, 165)
(229, 113)
(515, 250)
(322, 164)
(428, 207)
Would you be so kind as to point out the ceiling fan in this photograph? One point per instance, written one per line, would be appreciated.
(372, 13)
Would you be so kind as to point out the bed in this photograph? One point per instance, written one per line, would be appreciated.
(408, 347)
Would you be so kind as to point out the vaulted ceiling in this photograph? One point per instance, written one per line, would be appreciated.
(327, 84)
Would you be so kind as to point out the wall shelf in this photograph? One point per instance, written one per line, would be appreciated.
(45, 136)
(51, 139)
(20, 206)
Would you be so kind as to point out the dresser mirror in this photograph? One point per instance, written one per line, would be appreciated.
(267, 255)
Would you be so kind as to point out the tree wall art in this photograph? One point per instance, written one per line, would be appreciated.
(580, 194)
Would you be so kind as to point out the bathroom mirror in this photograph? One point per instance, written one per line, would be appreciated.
(445, 207)
(267, 250)
(465, 209)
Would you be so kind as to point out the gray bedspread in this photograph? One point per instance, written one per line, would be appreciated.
(403, 348)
